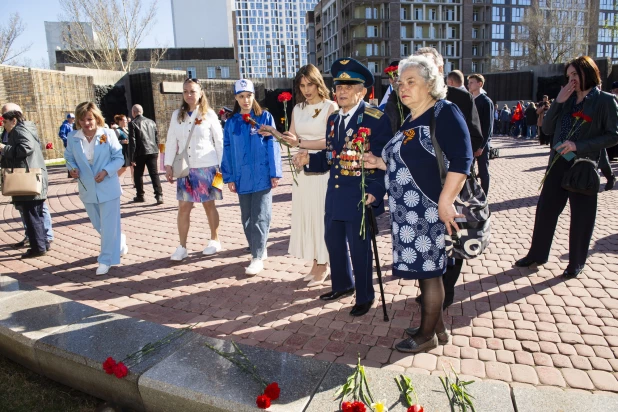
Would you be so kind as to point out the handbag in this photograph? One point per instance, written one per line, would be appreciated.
(582, 177)
(217, 181)
(180, 166)
(474, 234)
(22, 181)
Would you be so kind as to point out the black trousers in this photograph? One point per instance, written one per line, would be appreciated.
(483, 164)
(551, 203)
(35, 223)
(149, 161)
(450, 279)
(604, 165)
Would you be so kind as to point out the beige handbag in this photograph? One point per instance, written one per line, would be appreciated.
(22, 182)
(180, 167)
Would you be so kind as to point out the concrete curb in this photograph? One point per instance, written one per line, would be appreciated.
(68, 341)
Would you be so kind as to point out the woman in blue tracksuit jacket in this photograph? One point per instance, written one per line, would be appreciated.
(251, 167)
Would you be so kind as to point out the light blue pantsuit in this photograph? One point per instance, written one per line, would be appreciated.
(101, 200)
(105, 218)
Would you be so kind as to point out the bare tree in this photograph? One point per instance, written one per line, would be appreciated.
(105, 34)
(553, 31)
(8, 35)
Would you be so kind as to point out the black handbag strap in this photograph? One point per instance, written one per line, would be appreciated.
(436, 147)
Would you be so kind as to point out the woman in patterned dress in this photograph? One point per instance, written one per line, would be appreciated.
(421, 210)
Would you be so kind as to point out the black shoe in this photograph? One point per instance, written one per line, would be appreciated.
(23, 243)
(159, 200)
(442, 336)
(337, 295)
(527, 261)
(47, 246)
(360, 310)
(410, 346)
(32, 254)
(610, 183)
(138, 199)
(572, 273)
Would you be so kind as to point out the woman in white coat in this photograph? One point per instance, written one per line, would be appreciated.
(205, 149)
(94, 156)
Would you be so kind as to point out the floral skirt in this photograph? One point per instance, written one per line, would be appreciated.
(197, 187)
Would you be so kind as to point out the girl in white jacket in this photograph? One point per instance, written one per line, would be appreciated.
(205, 149)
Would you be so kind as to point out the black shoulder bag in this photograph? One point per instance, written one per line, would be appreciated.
(474, 234)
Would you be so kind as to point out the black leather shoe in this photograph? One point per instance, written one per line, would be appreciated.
(47, 246)
(610, 183)
(23, 243)
(138, 199)
(159, 200)
(526, 261)
(336, 295)
(572, 273)
(32, 254)
(360, 310)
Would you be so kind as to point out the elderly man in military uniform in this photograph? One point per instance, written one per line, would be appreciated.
(344, 210)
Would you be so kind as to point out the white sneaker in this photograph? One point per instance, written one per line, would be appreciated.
(102, 269)
(180, 254)
(254, 267)
(212, 248)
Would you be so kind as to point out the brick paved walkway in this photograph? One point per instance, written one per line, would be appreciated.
(509, 324)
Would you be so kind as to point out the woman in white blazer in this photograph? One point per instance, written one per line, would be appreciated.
(205, 149)
(94, 156)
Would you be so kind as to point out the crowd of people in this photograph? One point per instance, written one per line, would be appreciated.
(351, 157)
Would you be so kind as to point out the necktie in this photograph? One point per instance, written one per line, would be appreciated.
(342, 127)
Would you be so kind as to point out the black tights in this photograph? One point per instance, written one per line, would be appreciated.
(432, 291)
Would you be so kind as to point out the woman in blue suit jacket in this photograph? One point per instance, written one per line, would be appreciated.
(93, 156)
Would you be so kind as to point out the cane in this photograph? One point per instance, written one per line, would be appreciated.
(374, 232)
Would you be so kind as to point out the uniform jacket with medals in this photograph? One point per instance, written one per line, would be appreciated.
(342, 160)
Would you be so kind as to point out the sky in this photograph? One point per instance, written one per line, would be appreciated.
(34, 12)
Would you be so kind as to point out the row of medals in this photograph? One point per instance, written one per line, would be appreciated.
(349, 161)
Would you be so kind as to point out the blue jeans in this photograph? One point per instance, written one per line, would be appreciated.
(47, 221)
(255, 212)
(532, 131)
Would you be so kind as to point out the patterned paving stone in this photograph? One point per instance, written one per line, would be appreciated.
(510, 324)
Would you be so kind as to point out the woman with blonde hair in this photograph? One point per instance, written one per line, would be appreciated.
(307, 131)
(94, 156)
(195, 128)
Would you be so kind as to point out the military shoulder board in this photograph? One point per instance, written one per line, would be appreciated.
(375, 113)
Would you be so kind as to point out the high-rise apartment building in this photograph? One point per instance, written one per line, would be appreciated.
(472, 35)
(56, 33)
(271, 37)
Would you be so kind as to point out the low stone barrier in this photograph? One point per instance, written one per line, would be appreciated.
(68, 342)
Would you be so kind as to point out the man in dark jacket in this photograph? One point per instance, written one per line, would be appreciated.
(144, 152)
(485, 109)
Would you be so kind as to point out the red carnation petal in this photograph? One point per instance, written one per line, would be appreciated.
(272, 391)
(263, 402)
(121, 370)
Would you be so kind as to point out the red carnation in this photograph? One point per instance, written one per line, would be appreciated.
(49, 146)
(263, 402)
(358, 407)
(1, 121)
(246, 117)
(416, 408)
(109, 365)
(358, 140)
(346, 407)
(272, 391)
(285, 97)
(121, 370)
(363, 131)
(221, 112)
